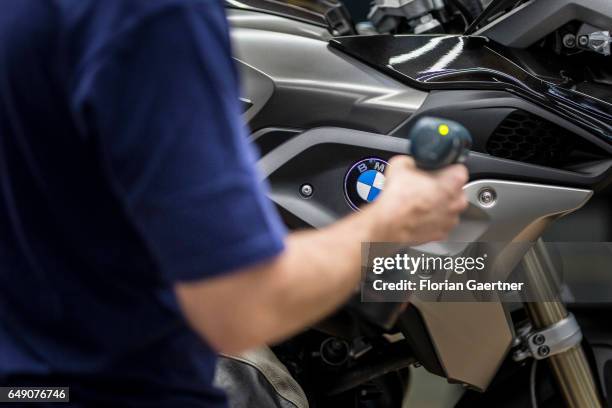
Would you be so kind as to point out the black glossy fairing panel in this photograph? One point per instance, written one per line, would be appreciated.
(459, 62)
(483, 112)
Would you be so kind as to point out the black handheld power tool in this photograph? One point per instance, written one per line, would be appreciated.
(437, 142)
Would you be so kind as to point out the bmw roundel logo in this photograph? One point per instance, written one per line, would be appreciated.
(364, 181)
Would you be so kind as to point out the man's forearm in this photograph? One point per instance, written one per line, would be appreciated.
(317, 272)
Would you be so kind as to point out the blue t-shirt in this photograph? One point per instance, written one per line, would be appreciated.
(124, 168)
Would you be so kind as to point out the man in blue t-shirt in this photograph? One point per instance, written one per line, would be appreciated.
(135, 238)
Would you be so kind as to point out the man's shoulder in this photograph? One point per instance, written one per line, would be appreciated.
(122, 11)
(96, 27)
(133, 7)
(73, 15)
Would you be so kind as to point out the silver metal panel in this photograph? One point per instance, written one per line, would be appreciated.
(295, 80)
(287, 151)
(472, 338)
(534, 20)
(272, 23)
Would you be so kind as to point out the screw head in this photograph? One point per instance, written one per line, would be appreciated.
(583, 40)
(334, 352)
(306, 190)
(569, 40)
(543, 351)
(487, 197)
(538, 339)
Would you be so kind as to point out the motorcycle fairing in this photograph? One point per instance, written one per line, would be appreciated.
(470, 62)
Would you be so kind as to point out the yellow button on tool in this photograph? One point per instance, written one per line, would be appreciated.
(443, 129)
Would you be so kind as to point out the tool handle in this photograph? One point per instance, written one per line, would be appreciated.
(437, 142)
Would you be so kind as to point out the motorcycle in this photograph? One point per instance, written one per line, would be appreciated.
(532, 83)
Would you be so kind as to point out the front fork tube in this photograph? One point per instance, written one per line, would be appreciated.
(570, 367)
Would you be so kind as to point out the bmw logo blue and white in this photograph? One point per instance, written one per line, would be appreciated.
(364, 181)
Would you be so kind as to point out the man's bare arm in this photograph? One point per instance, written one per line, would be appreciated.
(262, 304)
(318, 270)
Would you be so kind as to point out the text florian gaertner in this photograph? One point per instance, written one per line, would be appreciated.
(430, 265)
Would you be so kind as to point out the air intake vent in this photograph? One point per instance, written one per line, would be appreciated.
(525, 137)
